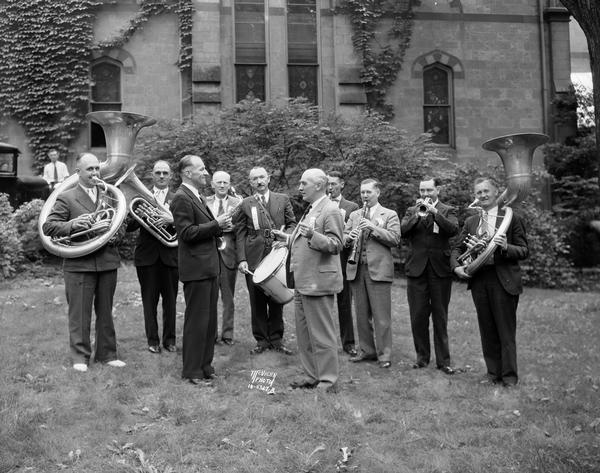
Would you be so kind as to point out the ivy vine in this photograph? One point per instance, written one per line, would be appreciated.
(381, 56)
(46, 52)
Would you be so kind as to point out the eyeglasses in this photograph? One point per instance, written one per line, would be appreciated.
(161, 173)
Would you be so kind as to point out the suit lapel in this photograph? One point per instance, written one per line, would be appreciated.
(85, 200)
(198, 203)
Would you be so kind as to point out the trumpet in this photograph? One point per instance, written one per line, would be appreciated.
(422, 208)
(354, 257)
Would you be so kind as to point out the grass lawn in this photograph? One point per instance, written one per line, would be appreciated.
(144, 418)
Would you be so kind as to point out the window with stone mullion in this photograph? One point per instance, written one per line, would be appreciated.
(303, 60)
(250, 49)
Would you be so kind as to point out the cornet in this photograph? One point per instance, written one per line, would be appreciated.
(422, 209)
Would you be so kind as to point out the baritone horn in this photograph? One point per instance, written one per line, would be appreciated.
(516, 152)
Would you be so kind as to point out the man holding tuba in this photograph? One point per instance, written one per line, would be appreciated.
(428, 226)
(496, 286)
(90, 279)
(156, 266)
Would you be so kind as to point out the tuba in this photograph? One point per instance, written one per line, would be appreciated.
(122, 186)
(516, 153)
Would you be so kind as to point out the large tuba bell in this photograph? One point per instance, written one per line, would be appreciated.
(516, 152)
(121, 130)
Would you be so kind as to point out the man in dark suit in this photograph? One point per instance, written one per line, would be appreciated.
(219, 203)
(197, 231)
(258, 215)
(90, 279)
(317, 277)
(496, 286)
(428, 226)
(156, 266)
(344, 298)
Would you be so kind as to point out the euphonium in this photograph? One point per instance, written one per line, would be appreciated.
(357, 245)
(516, 152)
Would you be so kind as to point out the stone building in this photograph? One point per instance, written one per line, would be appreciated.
(475, 69)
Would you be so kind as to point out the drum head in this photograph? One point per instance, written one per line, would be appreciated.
(270, 264)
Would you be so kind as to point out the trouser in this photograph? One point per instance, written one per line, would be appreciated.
(84, 290)
(267, 316)
(227, 279)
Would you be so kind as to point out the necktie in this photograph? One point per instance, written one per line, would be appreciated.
(483, 224)
(55, 173)
(263, 201)
(92, 194)
(306, 212)
(221, 210)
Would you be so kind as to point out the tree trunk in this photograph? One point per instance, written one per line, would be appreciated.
(587, 14)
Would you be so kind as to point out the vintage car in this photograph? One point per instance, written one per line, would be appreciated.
(20, 189)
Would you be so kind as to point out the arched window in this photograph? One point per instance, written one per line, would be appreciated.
(106, 95)
(438, 110)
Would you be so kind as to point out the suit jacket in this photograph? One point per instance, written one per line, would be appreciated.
(379, 243)
(69, 205)
(229, 253)
(425, 245)
(505, 261)
(251, 244)
(197, 231)
(315, 264)
(148, 249)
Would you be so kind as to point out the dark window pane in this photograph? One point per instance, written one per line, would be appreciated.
(435, 83)
(96, 132)
(250, 31)
(250, 82)
(106, 78)
(437, 122)
(302, 32)
(303, 82)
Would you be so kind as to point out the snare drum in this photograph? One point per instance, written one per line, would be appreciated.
(270, 276)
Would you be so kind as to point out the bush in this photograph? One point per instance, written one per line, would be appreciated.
(576, 159)
(25, 220)
(11, 251)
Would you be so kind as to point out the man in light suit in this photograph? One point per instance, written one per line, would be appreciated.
(317, 276)
(258, 216)
(219, 203)
(156, 267)
(429, 277)
(376, 233)
(496, 286)
(197, 231)
(90, 280)
(344, 299)
(55, 171)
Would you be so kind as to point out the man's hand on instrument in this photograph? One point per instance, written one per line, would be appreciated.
(353, 235)
(501, 241)
(305, 230)
(474, 243)
(461, 273)
(83, 222)
(165, 218)
(243, 267)
(224, 221)
(366, 224)
(281, 237)
(429, 206)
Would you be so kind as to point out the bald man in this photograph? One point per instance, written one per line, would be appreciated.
(221, 202)
(317, 275)
(156, 266)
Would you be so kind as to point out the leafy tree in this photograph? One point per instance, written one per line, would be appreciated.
(587, 14)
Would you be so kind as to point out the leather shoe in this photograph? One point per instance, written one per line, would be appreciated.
(171, 348)
(258, 349)
(227, 341)
(418, 365)
(328, 387)
(153, 348)
(350, 350)
(385, 364)
(282, 349)
(303, 384)
(361, 358)
(199, 381)
(446, 370)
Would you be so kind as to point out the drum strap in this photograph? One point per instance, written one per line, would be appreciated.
(265, 211)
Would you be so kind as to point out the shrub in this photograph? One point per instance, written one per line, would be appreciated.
(577, 159)
(11, 251)
(25, 220)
